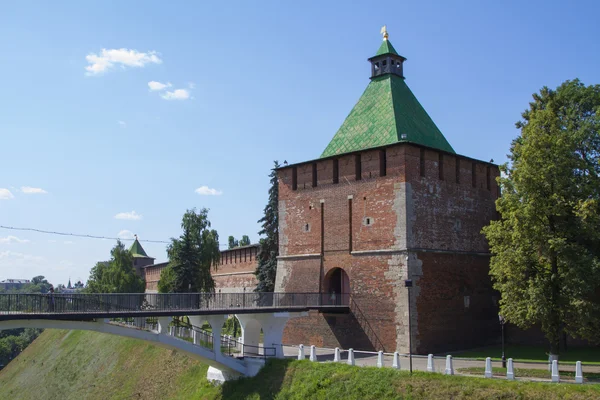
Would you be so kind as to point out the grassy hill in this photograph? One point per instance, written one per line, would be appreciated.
(77, 365)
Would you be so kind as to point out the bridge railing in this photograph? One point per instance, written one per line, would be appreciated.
(98, 303)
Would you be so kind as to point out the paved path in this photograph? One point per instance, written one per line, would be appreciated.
(420, 362)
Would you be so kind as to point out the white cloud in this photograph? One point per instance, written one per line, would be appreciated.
(12, 239)
(154, 85)
(177, 94)
(206, 191)
(32, 190)
(125, 234)
(132, 216)
(191, 85)
(109, 58)
(122, 123)
(5, 194)
(15, 259)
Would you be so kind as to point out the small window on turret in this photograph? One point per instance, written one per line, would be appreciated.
(376, 65)
(384, 63)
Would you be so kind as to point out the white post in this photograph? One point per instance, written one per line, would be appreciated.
(301, 352)
(449, 368)
(430, 365)
(488, 367)
(555, 376)
(578, 373)
(195, 336)
(351, 357)
(313, 353)
(396, 362)
(336, 357)
(551, 358)
(380, 359)
(510, 370)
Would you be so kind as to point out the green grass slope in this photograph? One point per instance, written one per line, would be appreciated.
(88, 365)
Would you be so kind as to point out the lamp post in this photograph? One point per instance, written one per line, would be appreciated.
(502, 322)
(408, 284)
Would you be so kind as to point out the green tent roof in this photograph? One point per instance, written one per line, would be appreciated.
(386, 48)
(387, 113)
(137, 250)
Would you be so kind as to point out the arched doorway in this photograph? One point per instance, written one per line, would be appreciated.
(337, 286)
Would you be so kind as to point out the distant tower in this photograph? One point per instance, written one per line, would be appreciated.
(140, 258)
(69, 285)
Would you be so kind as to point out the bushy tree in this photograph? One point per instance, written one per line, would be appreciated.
(269, 244)
(192, 255)
(232, 243)
(116, 275)
(546, 245)
(245, 241)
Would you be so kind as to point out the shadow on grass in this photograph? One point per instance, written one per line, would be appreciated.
(265, 385)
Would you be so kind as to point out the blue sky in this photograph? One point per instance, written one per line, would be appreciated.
(84, 139)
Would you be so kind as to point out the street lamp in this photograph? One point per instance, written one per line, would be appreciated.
(408, 284)
(502, 322)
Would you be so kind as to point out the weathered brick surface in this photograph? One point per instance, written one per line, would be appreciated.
(403, 225)
(234, 273)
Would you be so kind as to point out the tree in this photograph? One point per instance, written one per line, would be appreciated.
(245, 241)
(546, 245)
(269, 245)
(116, 275)
(232, 243)
(166, 283)
(192, 255)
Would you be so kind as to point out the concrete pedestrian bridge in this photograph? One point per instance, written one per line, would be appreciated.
(148, 316)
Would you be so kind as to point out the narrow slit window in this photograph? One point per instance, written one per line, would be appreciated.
(294, 178)
(336, 171)
(441, 166)
(382, 163)
(358, 167)
(350, 225)
(314, 174)
(422, 162)
(458, 170)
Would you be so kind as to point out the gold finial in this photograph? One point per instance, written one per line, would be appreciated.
(384, 32)
(135, 237)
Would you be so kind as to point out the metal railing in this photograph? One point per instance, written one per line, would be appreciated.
(236, 348)
(148, 303)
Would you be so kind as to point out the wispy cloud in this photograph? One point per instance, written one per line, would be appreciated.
(5, 194)
(110, 58)
(132, 216)
(12, 239)
(17, 259)
(177, 94)
(122, 123)
(154, 85)
(32, 190)
(206, 191)
(125, 234)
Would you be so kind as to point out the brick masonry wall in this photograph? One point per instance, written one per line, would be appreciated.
(234, 273)
(389, 214)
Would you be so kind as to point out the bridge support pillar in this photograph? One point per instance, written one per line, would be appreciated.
(163, 325)
(272, 326)
(216, 322)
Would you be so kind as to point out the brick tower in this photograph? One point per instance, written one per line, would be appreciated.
(389, 200)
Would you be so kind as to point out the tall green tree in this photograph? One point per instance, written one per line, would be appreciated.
(192, 255)
(116, 275)
(245, 241)
(546, 245)
(269, 244)
(232, 243)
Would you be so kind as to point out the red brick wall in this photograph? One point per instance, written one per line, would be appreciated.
(405, 210)
(234, 273)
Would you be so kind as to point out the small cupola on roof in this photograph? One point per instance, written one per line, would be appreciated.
(387, 112)
(386, 60)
